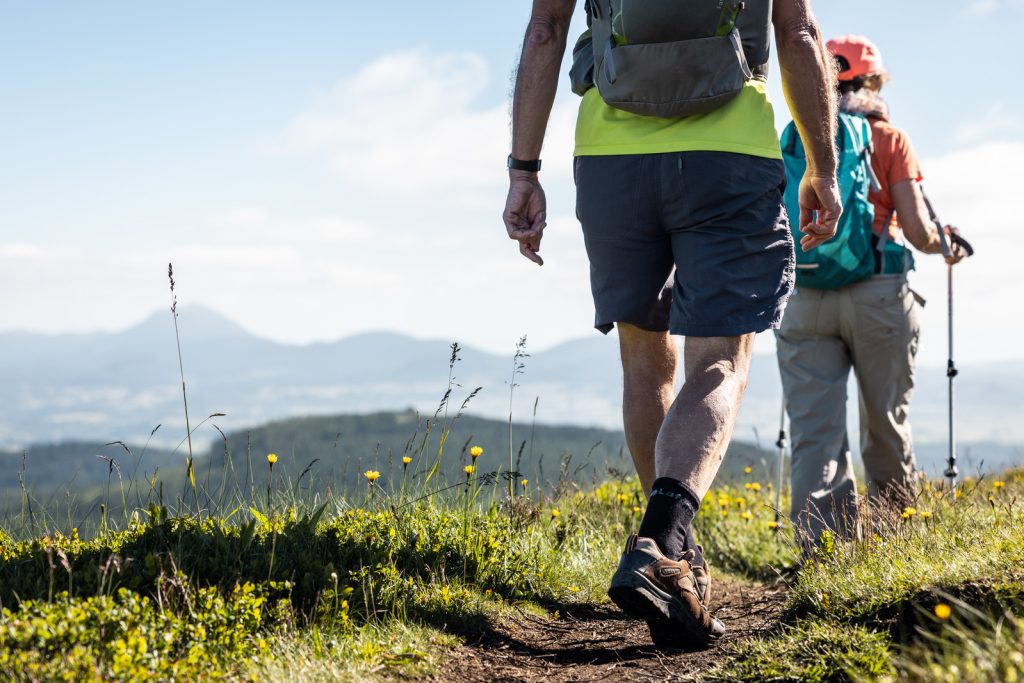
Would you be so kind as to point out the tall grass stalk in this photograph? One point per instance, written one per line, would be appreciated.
(517, 369)
(184, 394)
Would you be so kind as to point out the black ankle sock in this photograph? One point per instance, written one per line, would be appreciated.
(669, 518)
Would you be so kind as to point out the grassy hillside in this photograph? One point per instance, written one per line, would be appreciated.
(69, 482)
(388, 581)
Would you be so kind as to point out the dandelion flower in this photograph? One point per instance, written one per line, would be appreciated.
(755, 486)
(371, 475)
(908, 512)
(623, 498)
(747, 485)
(748, 515)
(925, 514)
(943, 611)
(468, 469)
(524, 482)
(555, 513)
(747, 470)
(773, 525)
(406, 460)
(636, 509)
(998, 484)
(271, 458)
(475, 452)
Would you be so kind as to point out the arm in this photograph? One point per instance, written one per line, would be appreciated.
(536, 81)
(808, 81)
(917, 225)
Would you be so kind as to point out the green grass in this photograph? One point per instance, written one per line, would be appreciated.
(809, 651)
(935, 593)
(384, 582)
(339, 591)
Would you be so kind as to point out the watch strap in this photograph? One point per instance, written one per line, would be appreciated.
(532, 166)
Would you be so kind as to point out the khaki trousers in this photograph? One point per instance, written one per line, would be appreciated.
(870, 326)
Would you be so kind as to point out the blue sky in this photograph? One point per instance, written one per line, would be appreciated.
(322, 168)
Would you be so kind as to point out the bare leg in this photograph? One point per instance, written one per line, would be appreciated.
(697, 429)
(649, 361)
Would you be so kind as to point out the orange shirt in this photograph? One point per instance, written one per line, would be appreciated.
(893, 159)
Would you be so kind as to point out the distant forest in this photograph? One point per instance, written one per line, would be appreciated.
(317, 454)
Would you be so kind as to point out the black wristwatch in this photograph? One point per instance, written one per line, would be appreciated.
(521, 165)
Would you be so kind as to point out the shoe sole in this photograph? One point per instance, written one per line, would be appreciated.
(638, 597)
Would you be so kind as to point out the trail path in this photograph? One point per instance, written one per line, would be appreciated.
(599, 643)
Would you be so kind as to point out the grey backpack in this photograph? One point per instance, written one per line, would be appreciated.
(671, 58)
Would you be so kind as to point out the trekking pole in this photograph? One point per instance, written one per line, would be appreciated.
(781, 444)
(951, 370)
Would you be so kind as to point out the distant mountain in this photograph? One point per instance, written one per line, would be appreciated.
(102, 387)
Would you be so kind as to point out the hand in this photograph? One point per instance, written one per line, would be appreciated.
(525, 213)
(956, 252)
(818, 194)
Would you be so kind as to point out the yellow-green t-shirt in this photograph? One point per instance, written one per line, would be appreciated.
(746, 125)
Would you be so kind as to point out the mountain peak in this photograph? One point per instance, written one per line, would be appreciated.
(195, 321)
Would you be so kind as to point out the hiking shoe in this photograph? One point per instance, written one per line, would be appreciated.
(670, 596)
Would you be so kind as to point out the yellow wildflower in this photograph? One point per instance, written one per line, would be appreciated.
(371, 475)
(475, 452)
(908, 512)
(636, 509)
(998, 484)
(271, 458)
(925, 514)
(943, 611)
(406, 460)
(468, 469)
(623, 498)
(747, 515)
(747, 485)
(524, 482)
(747, 470)
(755, 486)
(554, 513)
(773, 525)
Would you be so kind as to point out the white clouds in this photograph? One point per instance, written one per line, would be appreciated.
(408, 125)
(998, 121)
(985, 7)
(976, 188)
(257, 224)
(20, 251)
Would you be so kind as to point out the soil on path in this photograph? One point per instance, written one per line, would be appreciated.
(600, 643)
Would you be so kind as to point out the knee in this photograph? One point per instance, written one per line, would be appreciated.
(647, 356)
(720, 359)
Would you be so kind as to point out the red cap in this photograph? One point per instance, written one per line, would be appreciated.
(861, 54)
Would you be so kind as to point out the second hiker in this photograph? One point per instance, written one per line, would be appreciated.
(861, 314)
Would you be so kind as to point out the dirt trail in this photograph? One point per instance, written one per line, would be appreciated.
(599, 643)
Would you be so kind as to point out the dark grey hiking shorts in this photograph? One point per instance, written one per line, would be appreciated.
(716, 217)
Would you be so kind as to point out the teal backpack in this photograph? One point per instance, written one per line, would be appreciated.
(850, 256)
